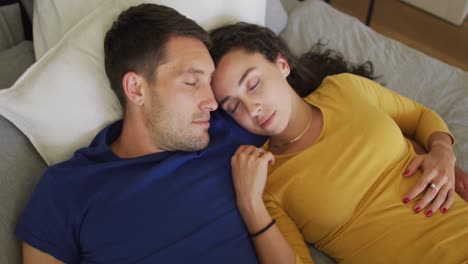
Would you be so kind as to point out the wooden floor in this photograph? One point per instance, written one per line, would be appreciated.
(415, 28)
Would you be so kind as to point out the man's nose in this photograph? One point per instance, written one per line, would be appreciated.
(208, 102)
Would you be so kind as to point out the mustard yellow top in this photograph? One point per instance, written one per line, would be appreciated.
(344, 193)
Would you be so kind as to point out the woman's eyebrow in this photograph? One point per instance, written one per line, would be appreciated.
(241, 80)
(246, 73)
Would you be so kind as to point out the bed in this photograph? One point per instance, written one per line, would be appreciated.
(36, 111)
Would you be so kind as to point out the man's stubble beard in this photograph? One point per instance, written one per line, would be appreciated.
(170, 131)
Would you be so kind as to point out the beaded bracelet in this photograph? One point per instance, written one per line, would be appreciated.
(263, 229)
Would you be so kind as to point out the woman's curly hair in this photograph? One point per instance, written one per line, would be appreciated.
(307, 72)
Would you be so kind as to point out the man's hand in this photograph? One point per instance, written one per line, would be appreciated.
(461, 183)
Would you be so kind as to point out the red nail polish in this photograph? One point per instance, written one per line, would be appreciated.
(406, 200)
(417, 209)
(406, 172)
(429, 213)
(444, 210)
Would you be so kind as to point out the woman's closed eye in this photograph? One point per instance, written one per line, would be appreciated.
(254, 86)
(232, 109)
(195, 83)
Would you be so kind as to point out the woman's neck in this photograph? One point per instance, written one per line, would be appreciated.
(303, 128)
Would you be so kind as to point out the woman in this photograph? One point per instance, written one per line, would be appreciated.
(336, 158)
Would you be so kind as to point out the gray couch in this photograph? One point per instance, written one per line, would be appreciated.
(20, 169)
(20, 164)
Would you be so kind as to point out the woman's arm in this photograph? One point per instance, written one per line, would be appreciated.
(271, 246)
(249, 169)
(437, 183)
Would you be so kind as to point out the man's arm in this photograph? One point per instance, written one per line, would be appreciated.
(34, 256)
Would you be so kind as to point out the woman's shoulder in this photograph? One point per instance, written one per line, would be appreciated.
(335, 86)
(343, 80)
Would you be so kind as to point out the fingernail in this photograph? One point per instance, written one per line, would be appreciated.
(444, 210)
(429, 213)
(406, 172)
(417, 209)
(406, 200)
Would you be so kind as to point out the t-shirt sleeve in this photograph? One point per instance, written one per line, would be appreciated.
(289, 230)
(224, 128)
(414, 119)
(46, 223)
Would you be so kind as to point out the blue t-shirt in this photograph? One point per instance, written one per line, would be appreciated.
(168, 207)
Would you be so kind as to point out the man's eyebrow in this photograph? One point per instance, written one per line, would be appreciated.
(246, 73)
(193, 71)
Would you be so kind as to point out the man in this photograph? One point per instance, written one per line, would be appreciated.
(152, 188)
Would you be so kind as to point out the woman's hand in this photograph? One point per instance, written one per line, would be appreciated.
(249, 172)
(438, 179)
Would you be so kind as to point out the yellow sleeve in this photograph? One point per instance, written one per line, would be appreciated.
(414, 120)
(289, 230)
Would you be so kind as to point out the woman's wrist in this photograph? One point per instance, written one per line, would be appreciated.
(250, 206)
(440, 140)
(444, 151)
(255, 214)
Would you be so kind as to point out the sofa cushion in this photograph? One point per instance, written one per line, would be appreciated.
(20, 169)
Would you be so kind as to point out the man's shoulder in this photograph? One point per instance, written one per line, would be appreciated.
(97, 152)
(226, 131)
(72, 177)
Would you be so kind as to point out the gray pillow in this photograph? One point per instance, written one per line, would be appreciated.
(20, 169)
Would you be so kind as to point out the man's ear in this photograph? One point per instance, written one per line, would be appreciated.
(283, 64)
(133, 85)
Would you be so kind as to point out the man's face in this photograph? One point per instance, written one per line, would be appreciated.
(177, 110)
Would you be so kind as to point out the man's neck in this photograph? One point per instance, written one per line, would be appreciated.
(135, 140)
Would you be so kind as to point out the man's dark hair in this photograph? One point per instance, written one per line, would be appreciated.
(136, 41)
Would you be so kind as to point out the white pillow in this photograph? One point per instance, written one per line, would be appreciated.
(290, 5)
(53, 18)
(437, 85)
(64, 99)
(276, 17)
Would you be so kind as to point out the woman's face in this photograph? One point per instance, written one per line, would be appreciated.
(254, 91)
